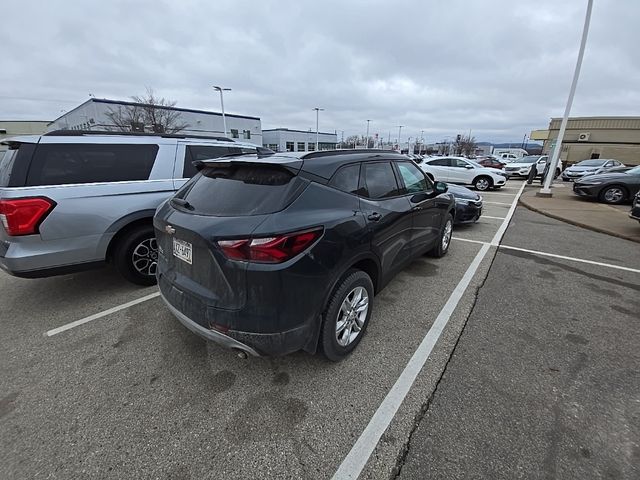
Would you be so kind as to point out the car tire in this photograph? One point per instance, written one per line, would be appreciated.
(444, 239)
(137, 253)
(336, 339)
(613, 194)
(482, 183)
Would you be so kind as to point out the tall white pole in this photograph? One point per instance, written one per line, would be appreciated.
(546, 190)
(399, 132)
(318, 110)
(366, 145)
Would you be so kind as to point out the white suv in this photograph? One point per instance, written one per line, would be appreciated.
(463, 171)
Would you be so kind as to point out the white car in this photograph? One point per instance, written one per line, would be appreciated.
(522, 166)
(463, 171)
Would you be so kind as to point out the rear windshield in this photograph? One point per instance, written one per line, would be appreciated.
(590, 163)
(6, 165)
(240, 190)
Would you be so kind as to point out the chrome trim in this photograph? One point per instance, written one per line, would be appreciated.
(212, 335)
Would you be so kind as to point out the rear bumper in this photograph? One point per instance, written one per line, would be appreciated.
(208, 322)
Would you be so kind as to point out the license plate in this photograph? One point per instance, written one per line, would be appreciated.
(182, 250)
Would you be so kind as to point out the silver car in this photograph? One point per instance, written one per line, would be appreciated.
(71, 201)
(588, 167)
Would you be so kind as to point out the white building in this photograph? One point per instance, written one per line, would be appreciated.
(286, 140)
(93, 115)
(13, 128)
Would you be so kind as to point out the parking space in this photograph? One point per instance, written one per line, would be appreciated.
(133, 394)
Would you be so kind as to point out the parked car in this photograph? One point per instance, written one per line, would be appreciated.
(492, 163)
(468, 204)
(522, 166)
(286, 253)
(579, 169)
(611, 187)
(463, 171)
(608, 170)
(635, 207)
(73, 200)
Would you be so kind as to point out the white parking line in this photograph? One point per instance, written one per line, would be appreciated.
(498, 193)
(492, 218)
(96, 316)
(498, 203)
(358, 456)
(571, 259)
(469, 240)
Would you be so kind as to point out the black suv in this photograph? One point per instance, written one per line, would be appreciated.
(276, 254)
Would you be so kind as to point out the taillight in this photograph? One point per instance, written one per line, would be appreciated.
(23, 216)
(276, 249)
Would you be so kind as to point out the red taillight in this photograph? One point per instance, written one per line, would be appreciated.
(275, 249)
(23, 216)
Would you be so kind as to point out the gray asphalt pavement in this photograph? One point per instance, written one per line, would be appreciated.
(544, 381)
(135, 395)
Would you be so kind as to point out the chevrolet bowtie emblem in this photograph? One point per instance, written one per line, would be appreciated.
(169, 229)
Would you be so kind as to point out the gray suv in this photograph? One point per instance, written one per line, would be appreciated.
(71, 201)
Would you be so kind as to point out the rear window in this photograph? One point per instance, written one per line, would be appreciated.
(63, 163)
(6, 165)
(240, 190)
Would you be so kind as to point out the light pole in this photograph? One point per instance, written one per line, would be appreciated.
(546, 190)
(366, 138)
(224, 119)
(399, 132)
(318, 110)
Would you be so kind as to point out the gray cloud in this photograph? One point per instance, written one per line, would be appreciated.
(499, 68)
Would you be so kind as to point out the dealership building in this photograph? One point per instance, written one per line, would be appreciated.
(13, 128)
(594, 137)
(96, 113)
(287, 140)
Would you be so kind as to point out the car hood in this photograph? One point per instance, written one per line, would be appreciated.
(461, 192)
(575, 168)
(606, 177)
(520, 165)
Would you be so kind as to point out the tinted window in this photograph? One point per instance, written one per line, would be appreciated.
(413, 179)
(194, 153)
(346, 179)
(64, 163)
(379, 180)
(442, 162)
(235, 190)
(456, 162)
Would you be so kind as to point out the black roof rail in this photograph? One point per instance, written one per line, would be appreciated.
(80, 133)
(331, 153)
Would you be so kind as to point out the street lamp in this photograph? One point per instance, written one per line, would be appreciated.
(367, 137)
(224, 120)
(318, 110)
(399, 132)
(546, 190)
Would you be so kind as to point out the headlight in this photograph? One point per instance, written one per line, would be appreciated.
(463, 201)
(590, 181)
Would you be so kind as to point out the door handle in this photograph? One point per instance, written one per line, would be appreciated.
(374, 217)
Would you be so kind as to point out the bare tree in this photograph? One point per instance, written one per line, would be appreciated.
(465, 145)
(350, 142)
(148, 113)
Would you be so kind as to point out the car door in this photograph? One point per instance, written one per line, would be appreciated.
(460, 171)
(388, 214)
(439, 168)
(426, 216)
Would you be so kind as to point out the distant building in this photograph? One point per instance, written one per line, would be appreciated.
(92, 115)
(594, 137)
(12, 128)
(286, 140)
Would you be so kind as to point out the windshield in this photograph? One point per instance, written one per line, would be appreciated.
(589, 163)
(528, 159)
(634, 171)
(475, 164)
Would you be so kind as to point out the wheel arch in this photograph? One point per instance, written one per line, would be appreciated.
(122, 227)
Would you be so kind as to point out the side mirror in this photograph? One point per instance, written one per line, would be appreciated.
(441, 187)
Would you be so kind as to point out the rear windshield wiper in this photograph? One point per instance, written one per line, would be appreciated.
(182, 202)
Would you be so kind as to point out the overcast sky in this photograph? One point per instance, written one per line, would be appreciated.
(497, 67)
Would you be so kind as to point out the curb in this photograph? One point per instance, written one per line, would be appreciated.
(577, 224)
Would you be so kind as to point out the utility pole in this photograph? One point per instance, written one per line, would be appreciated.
(399, 132)
(318, 110)
(367, 137)
(224, 119)
(546, 190)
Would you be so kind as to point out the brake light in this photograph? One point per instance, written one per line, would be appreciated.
(23, 216)
(276, 249)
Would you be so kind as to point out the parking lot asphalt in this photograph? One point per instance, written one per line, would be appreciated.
(544, 381)
(134, 394)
